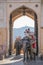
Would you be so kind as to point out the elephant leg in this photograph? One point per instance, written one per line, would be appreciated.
(34, 56)
(30, 53)
(26, 54)
(24, 57)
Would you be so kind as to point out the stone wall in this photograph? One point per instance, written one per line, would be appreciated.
(3, 24)
(12, 5)
(6, 8)
(41, 27)
(20, 1)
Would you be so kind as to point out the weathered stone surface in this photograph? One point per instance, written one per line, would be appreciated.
(23, 0)
(20, 0)
(6, 8)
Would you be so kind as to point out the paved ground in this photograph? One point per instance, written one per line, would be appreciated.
(29, 63)
(19, 61)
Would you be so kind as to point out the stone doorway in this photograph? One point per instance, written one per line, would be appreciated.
(16, 14)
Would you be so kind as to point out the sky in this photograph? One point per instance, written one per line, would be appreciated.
(23, 21)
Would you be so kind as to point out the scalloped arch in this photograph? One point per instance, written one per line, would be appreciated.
(23, 10)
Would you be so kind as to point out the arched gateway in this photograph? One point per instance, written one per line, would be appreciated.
(23, 10)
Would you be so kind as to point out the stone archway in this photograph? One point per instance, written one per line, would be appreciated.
(16, 14)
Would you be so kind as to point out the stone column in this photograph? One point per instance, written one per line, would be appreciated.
(10, 35)
(36, 32)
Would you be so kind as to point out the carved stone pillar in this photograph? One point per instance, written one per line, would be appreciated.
(10, 35)
(36, 33)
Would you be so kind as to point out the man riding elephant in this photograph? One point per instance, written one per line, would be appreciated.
(27, 44)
